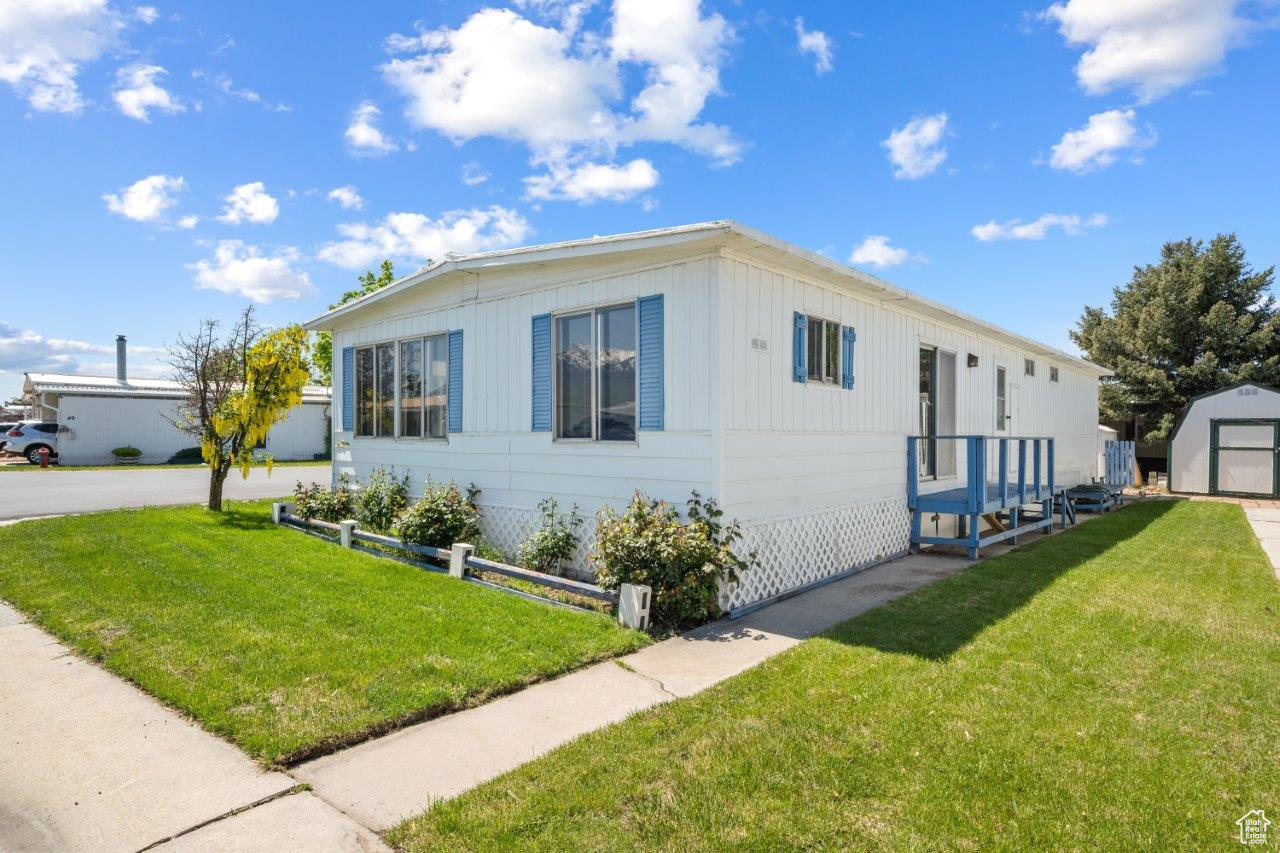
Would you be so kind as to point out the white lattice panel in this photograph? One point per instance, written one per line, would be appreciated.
(505, 527)
(800, 549)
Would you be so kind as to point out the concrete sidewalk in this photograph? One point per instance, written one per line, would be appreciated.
(89, 762)
(381, 782)
(1265, 522)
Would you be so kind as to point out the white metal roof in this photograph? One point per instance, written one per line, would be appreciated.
(109, 386)
(723, 232)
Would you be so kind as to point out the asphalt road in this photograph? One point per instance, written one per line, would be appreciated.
(54, 491)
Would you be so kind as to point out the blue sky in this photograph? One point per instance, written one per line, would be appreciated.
(169, 162)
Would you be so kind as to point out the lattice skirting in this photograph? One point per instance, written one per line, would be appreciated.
(505, 527)
(800, 549)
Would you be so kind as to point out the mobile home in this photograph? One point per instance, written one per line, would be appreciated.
(708, 357)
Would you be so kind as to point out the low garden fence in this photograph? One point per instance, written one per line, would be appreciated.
(630, 603)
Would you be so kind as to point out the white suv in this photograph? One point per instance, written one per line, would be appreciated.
(27, 437)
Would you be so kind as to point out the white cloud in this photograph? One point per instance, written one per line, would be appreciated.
(560, 92)
(567, 13)
(137, 91)
(27, 351)
(224, 84)
(916, 148)
(146, 14)
(363, 135)
(44, 43)
(473, 174)
(875, 250)
(146, 200)
(186, 223)
(1153, 46)
(416, 238)
(591, 182)
(1016, 229)
(250, 203)
(817, 43)
(243, 269)
(1099, 142)
(347, 196)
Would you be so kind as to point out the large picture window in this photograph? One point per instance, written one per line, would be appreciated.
(595, 374)
(401, 388)
(823, 341)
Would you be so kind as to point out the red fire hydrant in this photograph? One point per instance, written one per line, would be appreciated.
(44, 457)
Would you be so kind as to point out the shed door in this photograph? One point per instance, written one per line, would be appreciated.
(1243, 457)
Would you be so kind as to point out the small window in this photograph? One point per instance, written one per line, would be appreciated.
(823, 354)
(1002, 400)
(1028, 367)
(595, 374)
(1053, 374)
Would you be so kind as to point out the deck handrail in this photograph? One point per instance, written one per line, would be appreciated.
(1042, 448)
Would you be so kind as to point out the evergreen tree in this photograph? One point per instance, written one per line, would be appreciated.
(1199, 320)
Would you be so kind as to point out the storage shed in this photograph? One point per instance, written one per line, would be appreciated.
(1227, 442)
(711, 357)
(96, 414)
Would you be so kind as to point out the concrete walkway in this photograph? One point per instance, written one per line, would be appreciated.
(1265, 521)
(381, 782)
(89, 762)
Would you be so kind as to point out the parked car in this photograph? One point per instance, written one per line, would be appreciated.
(28, 437)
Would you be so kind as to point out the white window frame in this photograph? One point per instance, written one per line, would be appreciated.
(1029, 367)
(594, 311)
(821, 380)
(1053, 373)
(395, 395)
(1002, 400)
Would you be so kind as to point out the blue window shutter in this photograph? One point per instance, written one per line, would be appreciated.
(455, 381)
(541, 358)
(798, 372)
(652, 396)
(349, 388)
(847, 336)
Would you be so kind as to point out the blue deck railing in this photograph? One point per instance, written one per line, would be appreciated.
(981, 494)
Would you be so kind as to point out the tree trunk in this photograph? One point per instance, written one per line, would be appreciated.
(217, 476)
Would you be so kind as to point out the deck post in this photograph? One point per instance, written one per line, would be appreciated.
(913, 471)
(1035, 467)
(975, 535)
(1022, 471)
(1051, 483)
(1047, 513)
(981, 493)
(1013, 522)
(1003, 477)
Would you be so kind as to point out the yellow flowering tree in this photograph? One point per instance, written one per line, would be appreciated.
(237, 389)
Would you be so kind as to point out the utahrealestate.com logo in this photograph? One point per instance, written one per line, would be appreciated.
(1253, 827)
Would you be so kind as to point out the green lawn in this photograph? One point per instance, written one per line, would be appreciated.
(283, 643)
(1110, 688)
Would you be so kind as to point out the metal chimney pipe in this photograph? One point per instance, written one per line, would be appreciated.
(122, 374)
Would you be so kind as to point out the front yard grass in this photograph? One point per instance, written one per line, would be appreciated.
(1113, 687)
(281, 642)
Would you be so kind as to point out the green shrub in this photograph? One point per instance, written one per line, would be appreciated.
(444, 515)
(381, 500)
(684, 562)
(485, 550)
(323, 503)
(554, 542)
(190, 455)
(126, 452)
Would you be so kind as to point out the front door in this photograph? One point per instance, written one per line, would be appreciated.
(1243, 457)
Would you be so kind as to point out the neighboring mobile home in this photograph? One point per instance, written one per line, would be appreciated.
(1227, 442)
(96, 414)
(710, 357)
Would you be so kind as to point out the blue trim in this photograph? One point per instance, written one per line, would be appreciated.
(800, 327)
(650, 368)
(455, 381)
(847, 337)
(348, 388)
(540, 417)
